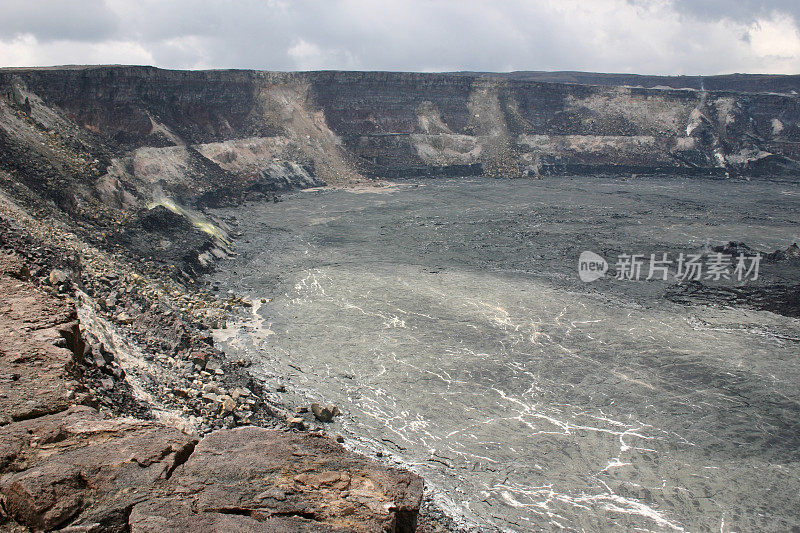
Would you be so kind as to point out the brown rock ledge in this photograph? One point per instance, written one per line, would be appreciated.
(77, 467)
(36, 366)
(276, 479)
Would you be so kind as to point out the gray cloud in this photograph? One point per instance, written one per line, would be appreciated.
(648, 36)
(81, 20)
(743, 10)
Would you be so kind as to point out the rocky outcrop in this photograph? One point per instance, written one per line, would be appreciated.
(79, 468)
(37, 368)
(123, 474)
(273, 480)
(64, 464)
(782, 297)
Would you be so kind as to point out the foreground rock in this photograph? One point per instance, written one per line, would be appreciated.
(78, 468)
(36, 364)
(67, 465)
(268, 480)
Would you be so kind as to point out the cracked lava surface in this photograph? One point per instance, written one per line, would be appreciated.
(446, 319)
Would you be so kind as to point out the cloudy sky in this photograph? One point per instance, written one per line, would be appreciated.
(644, 36)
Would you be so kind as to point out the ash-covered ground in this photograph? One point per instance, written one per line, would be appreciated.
(447, 321)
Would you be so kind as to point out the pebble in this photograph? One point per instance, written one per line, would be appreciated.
(57, 277)
(324, 413)
(296, 423)
(227, 405)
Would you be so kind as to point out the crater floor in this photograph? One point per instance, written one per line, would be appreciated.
(447, 320)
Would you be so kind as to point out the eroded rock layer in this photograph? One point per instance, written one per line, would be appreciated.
(189, 133)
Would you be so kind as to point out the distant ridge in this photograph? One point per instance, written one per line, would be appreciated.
(747, 83)
(199, 136)
(738, 82)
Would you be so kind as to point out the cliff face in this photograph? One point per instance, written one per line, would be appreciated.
(746, 83)
(131, 133)
(399, 123)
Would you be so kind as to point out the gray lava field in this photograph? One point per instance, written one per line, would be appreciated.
(446, 319)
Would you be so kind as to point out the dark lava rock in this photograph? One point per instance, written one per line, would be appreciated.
(324, 413)
(166, 237)
(734, 249)
(776, 290)
(778, 298)
(792, 253)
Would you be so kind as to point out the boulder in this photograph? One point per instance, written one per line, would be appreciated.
(200, 359)
(124, 318)
(58, 277)
(296, 422)
(226, 404)
(240, 392)
(324, 413)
